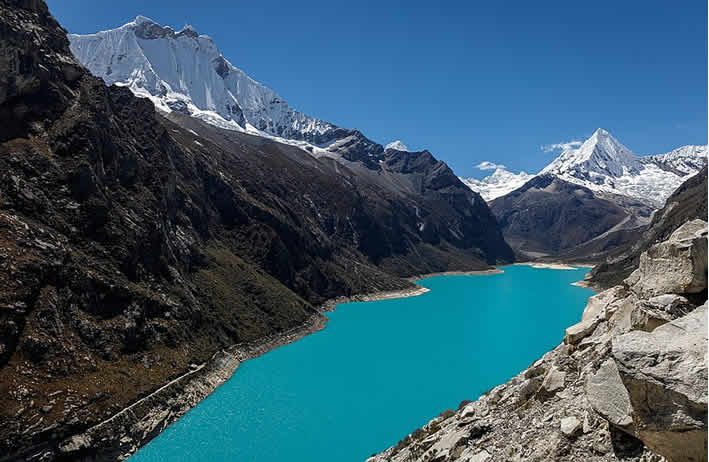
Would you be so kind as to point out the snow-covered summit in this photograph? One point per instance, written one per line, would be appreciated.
(603, 164)
(184, 71)
(600, 155)
(499, 183)
(685, 160)
(397, 146)
(141, 19)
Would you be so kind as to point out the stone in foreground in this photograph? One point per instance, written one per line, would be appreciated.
(665, 373)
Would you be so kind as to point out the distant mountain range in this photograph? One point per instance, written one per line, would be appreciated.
(604, 165)
(184, 72)
(587, 202)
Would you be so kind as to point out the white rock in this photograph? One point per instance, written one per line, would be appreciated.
(570, 426)
(481, 456)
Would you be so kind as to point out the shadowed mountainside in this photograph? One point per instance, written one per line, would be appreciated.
(133, 247)
(547, 216)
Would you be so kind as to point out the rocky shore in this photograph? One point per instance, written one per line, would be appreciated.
(457, 273)
(629, 382)
(122, 434)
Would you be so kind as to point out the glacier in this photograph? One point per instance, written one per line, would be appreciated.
(183, 71)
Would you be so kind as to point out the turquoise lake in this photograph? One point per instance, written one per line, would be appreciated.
(378, 371)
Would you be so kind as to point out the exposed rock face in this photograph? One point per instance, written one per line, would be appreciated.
(687, 203)
(628, 383)
(665, 373)
(676, 266)
(131, 247)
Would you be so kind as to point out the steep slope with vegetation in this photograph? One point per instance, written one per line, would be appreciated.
(132, 248)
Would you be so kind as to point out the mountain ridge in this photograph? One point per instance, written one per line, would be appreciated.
(163, 65)
(135, 244)
(606, 166)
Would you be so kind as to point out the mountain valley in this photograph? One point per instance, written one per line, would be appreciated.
(165, 217)
(136, 247)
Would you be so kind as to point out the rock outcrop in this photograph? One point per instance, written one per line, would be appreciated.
(629, 382)
(665, 375)
(676, 266)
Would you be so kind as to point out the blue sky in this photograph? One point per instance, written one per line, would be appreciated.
(468, 80)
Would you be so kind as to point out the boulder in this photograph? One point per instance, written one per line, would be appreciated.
(675, 266)
(602, 305)
(599, 308)
(581, 330)
(614, 305)
(608, 396)
(665, 375)
(529, 387)
(650, 314)
(553, 382)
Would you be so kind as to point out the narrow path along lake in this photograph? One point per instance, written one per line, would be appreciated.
(378, 371)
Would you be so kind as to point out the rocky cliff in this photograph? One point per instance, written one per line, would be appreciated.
(688, 202)
(629, 382)
(134, 247)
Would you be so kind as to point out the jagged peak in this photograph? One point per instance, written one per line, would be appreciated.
(601, 153)
(602, 138)
(143, 19)
(397, 145)
(601, 132)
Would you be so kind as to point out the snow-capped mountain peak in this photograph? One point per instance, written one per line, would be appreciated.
(141, 19)
(184, 71)
(684, 160)
(600, 155)
(499, 183)
(603, 164)
(397, 145)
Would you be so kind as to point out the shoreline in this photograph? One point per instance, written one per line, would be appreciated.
(331, 304)
(122, 434)
(540, 265)
(125, 432)
(583, 283)
(562, 266)
(484, 272)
